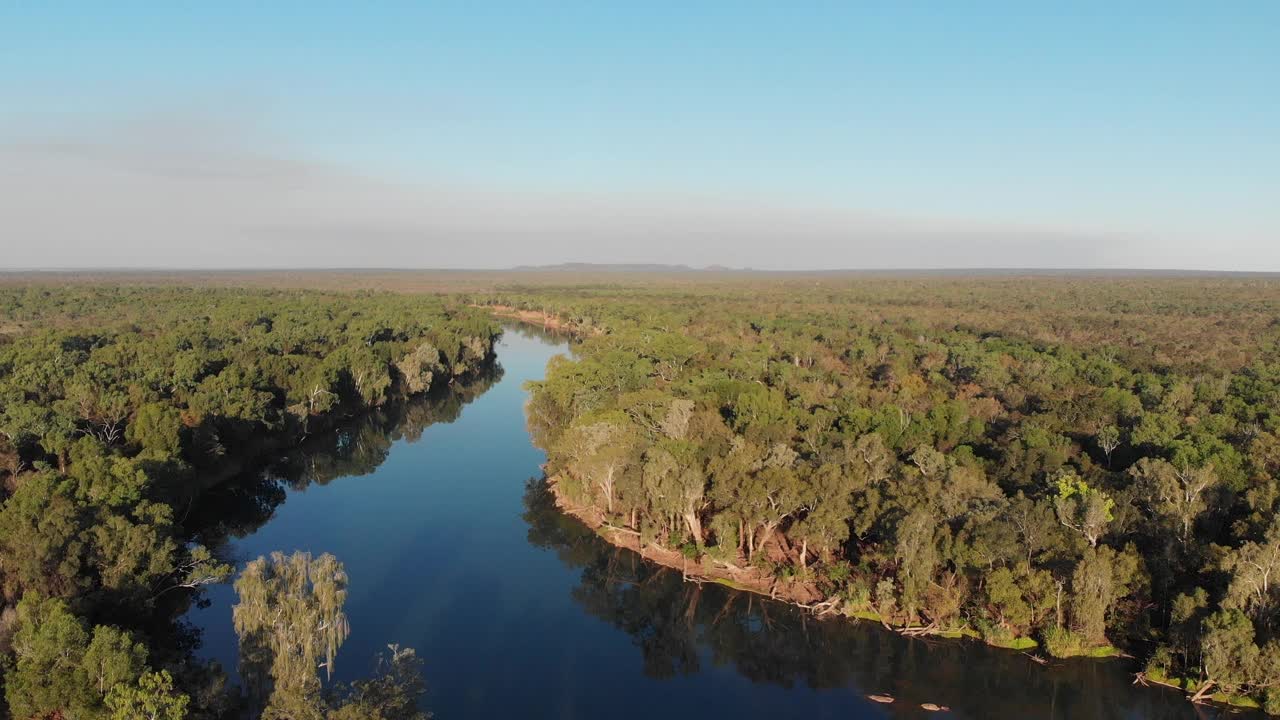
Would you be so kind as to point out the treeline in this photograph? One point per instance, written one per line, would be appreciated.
(1109, 479)
(118, 408)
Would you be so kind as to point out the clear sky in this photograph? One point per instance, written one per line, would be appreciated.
(774, 135)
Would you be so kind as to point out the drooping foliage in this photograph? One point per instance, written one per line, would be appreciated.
(290, 622)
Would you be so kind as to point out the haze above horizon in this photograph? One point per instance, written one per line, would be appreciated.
(989, 135)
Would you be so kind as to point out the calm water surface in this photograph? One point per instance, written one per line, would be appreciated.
(454, 549)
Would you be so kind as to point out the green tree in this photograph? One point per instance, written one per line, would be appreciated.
(1108, 439)
(46, 675)
(1034, 524)
(112, 658)
(419, 368)
(1254, 570)
(1176, 494)
(40, 539)
(131, 556)
(1102, 577)
(598, 453)
(675, 486)
(1228, 654)
(825, 525)
(60, 669)
(1082, 508)
(152, 698)
(157, 428)
(1020, 597)
(917, 556)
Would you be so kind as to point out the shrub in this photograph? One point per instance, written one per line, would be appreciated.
(994, 633)
(839, 572)
(1062, 643)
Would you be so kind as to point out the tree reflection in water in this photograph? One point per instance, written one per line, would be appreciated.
(240, 504)
(681, 627)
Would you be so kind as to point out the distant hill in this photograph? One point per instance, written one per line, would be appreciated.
(606, 267)
(670, 269)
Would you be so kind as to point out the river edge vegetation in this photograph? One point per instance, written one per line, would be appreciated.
(682, 628)
(1086, 466)
(120, 408)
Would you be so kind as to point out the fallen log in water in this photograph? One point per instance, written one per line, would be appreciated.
(919, 631)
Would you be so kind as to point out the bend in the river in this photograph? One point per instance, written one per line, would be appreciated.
(454, 548)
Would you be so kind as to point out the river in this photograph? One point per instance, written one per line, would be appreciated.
(454, 549)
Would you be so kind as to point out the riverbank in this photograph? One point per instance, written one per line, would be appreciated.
(260, 447)
(540, 318)
(1191, 688)
(807, 596)
(800, 593)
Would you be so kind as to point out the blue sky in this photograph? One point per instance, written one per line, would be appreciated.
(1138, 128)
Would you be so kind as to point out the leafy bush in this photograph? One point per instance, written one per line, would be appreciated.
(1062, 643)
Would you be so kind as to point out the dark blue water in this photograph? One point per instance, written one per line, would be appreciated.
(453, 548)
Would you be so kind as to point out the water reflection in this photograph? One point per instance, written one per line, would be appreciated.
(241, 505)
(681, 628)
(545, 335)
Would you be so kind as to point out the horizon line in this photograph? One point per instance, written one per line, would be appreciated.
(630, 268)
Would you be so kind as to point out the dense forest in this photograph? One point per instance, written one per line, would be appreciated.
(125, 416)
(1090, 465)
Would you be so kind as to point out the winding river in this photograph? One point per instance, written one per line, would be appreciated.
(454, 549)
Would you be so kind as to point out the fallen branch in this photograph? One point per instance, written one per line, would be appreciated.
(822, 608)
(729, 565)
(919, 631)
(620, 529)
(1204, 690)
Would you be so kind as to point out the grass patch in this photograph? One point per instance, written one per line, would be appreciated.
(1017, 643)
(1062, 643)
(1182, 683)
(955, 633)
(731, 584)
(1190, 684)
(1240, 701)
(866, 615)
